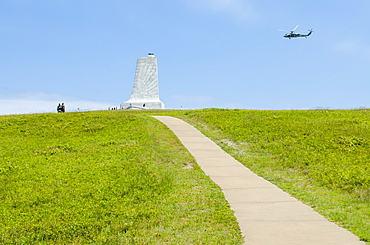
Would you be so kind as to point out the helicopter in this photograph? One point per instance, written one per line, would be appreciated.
(293, 34)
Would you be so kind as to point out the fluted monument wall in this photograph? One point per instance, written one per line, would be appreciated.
(145, 93)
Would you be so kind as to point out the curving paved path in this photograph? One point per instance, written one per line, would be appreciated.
(266, 214)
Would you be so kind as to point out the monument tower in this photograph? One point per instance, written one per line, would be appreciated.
(145, 93)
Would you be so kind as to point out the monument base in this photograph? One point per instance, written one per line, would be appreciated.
(142, 105)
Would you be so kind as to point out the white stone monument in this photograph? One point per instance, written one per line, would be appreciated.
(145, 94)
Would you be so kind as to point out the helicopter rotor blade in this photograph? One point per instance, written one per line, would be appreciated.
(295, 28)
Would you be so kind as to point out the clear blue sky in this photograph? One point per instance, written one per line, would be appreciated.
(211, 53)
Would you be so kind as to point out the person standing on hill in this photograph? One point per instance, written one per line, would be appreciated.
(59, 108)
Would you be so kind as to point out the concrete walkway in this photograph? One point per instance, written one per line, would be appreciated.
(266, 214)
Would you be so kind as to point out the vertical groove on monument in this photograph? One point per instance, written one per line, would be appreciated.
(145, 93)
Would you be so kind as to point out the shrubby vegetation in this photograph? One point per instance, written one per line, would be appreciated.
(320, 156)
(111, 177)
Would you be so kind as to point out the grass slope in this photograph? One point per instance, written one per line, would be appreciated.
(111, 177)
(322, 157)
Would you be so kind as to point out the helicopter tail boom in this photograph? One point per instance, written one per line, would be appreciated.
(310, 32)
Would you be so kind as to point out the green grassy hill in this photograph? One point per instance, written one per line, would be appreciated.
(321, 157)
(121, 177)
(110, 177)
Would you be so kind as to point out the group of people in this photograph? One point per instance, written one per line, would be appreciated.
(61, 108)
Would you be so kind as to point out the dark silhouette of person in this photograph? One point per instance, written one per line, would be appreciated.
(59, 108)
